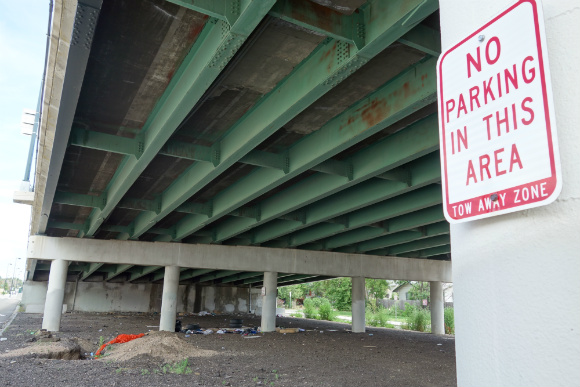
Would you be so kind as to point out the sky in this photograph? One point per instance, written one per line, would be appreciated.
(23, 25)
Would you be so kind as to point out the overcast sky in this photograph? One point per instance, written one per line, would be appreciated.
(23, 25)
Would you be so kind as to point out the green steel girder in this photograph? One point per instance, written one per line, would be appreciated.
(327, 66)
(310, 279)
(193, 273)
(66, 225)
(420, 244)
(118, 270)
(92, 267)
(406, 145)
(405, 222)
(227, 10)
(424, 39)
(241, 276)
(402, 174)
(339, 133)
(75, 199)
(71, 268)
(213, 49)
(427, 253)
(260, 278)
(307, 14)
(397, 206)
(107, 142)
(264, 159)
(434, 229)
(142, 271)
(216, 275)
(336, 167)
(187, 151)
(292, 278)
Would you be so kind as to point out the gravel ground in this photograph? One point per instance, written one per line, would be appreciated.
(327, 354)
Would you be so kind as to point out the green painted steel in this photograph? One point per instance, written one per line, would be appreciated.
(241, 276)
(106, 142)
(327, 66)
(400, 148)
(292, 278)
(213, 49)
(90, 270)
(308, 280)
(347, 28)
(405, 222)
(395, 239)
(193, 273)
(66, 225)
(427, 253)
(400, 205)
(417, 245)
(119, 269)
(337, 135)
(226, 10)
(424, 39)
(143, 271)
(216, 275)
(260, 278)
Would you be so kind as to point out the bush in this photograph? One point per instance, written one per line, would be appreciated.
(419, 320)
(309, 309)
(317, 301)
(325, 310)
(409, 310)
(449, 321)
(378, 318)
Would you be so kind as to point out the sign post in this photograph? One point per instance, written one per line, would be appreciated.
(499, 151)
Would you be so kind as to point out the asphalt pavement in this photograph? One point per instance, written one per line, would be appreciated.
(7, 307)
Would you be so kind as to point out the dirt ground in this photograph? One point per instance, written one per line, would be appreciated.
(326, 354)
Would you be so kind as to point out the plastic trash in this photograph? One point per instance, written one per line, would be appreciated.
(187, 335)
(120, 339)
(203, 313)
(220, 332)
(208, 332)
(370, 334)
(3, 339)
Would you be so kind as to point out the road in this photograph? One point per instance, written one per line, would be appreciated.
(7, 306)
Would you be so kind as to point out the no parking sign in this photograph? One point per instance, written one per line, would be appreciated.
(499, 149)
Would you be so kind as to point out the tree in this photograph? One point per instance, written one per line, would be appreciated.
(376, 288)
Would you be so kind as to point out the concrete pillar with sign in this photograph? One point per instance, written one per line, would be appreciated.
(501, 264)
(269, 293)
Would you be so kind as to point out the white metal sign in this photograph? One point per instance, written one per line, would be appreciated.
(499, 150)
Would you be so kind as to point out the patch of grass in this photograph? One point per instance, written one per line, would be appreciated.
(121, 370)
(101, 341)
(179, 368)
(449, 321)
(144, 371)
(297, 315)
(419, 320)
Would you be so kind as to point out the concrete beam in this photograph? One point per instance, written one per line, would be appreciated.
(247, 258)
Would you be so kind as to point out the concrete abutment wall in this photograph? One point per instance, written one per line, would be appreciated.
(127, 297)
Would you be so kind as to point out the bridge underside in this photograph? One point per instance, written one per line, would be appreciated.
(269, 124)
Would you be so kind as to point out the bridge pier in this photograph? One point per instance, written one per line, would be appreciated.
(169, 299)
(269, 301)
(55, 295)
(358, 305)
(437, 307)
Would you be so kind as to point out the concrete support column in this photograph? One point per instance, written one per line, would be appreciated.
(358, 305)
(169, 299)
(504, 266)
(55, 295)
(269, 301)
(437, 306)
